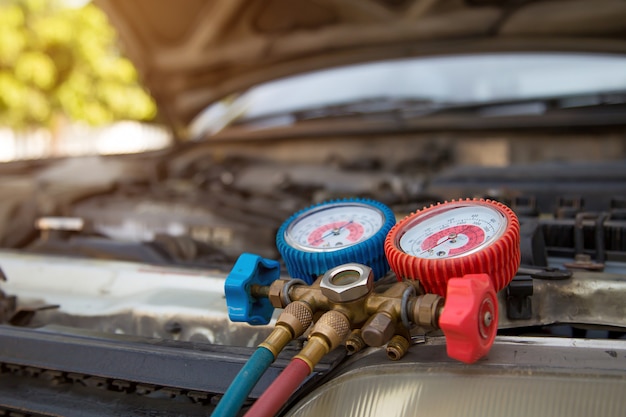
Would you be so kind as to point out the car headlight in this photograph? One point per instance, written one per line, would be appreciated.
(401, 390)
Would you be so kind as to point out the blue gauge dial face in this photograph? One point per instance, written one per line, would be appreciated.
(334, 226)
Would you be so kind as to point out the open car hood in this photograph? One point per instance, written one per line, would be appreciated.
(195, 52)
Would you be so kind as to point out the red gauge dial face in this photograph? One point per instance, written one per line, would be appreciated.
(334, 227)
(452, 232)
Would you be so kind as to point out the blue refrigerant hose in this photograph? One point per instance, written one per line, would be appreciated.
(242, 385)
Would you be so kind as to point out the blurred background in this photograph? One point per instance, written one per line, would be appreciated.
(65, 87)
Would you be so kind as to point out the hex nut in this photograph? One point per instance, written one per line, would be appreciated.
(425, 310)
(378, 329)
(274, 293)
(347, 282)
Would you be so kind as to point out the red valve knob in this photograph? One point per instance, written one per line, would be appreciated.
(470, 317)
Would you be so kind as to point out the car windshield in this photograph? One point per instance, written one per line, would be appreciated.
(450, 80)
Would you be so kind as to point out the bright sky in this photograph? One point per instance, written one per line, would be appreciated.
(75, 3)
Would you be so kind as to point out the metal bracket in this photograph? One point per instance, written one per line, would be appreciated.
(518, 298)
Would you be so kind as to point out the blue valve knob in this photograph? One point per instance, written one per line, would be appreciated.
(250, 270)
(332, 233)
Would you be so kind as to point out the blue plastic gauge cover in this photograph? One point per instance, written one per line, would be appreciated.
(333, 233)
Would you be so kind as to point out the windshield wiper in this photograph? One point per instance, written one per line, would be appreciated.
(404, 109)
(536, 106)
(368, 107)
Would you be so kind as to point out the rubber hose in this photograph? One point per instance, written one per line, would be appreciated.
(246, 379)
(281, 389)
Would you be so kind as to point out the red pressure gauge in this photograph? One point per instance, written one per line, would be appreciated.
(465, 251)
(453, 239)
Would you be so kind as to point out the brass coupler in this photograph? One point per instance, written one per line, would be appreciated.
(362, 316)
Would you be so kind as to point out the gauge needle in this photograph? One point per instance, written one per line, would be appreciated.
(334, 231)
(451, 236)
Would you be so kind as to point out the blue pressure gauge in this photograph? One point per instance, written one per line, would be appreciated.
(332, 233)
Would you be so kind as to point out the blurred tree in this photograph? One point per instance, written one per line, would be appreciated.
(58, 62)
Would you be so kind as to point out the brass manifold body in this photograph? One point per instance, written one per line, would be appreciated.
(348, 309)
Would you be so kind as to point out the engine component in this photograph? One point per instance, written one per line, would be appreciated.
(8, 305)
(59, 225)
(329, 234)
(519, 298)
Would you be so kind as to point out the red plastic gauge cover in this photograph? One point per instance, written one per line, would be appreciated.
(498, 258)
(470, 317)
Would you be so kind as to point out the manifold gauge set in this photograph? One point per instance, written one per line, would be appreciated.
(450, 260)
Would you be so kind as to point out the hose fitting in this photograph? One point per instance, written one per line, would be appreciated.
(298, 315)
(425, 311)
(328, 333)
(397, 347)
(355, 342)
(291, 323)
(277, 340)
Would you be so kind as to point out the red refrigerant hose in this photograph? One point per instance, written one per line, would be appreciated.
(277, 394)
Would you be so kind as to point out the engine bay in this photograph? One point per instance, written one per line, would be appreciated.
(203, 204)
(138, 249)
